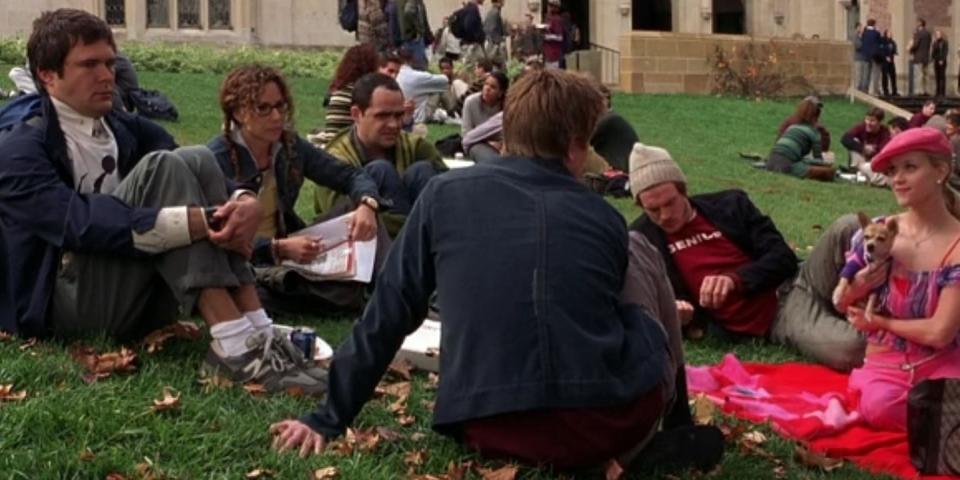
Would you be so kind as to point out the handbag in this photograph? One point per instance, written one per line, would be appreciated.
(933, 426)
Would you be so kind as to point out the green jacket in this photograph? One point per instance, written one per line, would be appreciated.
(409, 149)
(412, 17)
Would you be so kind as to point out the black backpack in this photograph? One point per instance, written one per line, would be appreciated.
(455, 23)
(349, 16)
(153, 104)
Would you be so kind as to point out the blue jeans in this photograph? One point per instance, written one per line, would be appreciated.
(400, 191)
(419, 51)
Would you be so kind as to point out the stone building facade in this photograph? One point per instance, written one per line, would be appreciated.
(606, 24)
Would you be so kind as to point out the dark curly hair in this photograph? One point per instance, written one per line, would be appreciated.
(241, 89)
(358, 61)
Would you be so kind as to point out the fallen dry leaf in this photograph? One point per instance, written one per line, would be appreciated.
(704, 410)
(363, 440)
(755, 436)
(255, 389)
(5, 336)
(388, 435)
(779, 472)
(86, 455)
(816, 459)
(115, 476)
(326, 473)
(7, 394)
(169, 401)
(397, 390)
(295, 391)
(613, 470)
(508, 472)
(260, 473)
(406, 420)
(28, 344)
(185, 330)
(428, 404)
(401, 369)
(732, 432)
(103, 365)
(419, 436)
(414, 459)
(215, 382)
(433, 381)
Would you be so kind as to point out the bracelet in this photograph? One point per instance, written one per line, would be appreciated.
(241, 192)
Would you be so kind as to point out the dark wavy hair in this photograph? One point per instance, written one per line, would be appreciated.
(358, 61)
(241, 89)
(55, 34)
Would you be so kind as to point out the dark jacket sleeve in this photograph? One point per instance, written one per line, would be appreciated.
(397, 309)
(851, 139)
(473, 24)
(323, 169)
(658, 239)
(773, 260)
(34, 196)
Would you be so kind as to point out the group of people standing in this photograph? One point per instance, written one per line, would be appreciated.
(875, 53)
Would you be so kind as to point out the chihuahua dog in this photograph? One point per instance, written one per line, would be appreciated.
(872, 253)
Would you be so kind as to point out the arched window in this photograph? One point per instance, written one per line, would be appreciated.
(729, 16)
(652, 15)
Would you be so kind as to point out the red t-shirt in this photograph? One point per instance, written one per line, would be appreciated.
(699, 250)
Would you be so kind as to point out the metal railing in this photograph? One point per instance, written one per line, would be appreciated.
(609, 64)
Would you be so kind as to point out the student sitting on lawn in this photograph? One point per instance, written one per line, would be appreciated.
(897, 125)
(543, 361)
(803, 114)
(259, 148)
(921, 118)
(863, 141)
(733, 272)
(798, 150)
(486, 103)
(399, 163)
(914, 336)
(358, 61)
(102, 236)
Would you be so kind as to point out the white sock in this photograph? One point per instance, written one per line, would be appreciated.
(232, 335)
(260, 320)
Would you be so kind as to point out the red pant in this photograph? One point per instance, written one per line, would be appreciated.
(567, 438)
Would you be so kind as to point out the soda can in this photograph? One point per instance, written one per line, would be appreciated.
(305, 340)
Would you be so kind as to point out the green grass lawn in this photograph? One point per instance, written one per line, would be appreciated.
(222, 433)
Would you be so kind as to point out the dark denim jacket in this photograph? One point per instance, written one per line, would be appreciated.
(304, 161)
(528, 266)
(41, 214)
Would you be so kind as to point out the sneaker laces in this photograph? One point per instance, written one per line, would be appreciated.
(276, 360)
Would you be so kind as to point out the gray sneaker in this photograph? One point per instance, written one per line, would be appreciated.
(266, 363)
(281, 339)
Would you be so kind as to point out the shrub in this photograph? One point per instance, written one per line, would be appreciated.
(755, 70)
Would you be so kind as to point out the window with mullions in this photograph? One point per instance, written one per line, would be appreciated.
(116, 13)
(219, 12)
(158, 14)
(188, 14)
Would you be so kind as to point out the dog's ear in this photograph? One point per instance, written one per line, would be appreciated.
(891, 224)
(864, 219)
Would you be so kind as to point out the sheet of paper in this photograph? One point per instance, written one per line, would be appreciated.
(346, 260)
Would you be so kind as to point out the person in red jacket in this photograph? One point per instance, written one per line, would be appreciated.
(863, 141)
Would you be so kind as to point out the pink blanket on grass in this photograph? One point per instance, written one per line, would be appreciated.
(804, 402)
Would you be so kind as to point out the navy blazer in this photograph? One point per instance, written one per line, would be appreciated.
(41, 214)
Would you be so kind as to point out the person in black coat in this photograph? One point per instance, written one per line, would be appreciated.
(888, 47)
(939, 53)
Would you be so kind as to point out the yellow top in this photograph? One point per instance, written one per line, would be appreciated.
(268, 197)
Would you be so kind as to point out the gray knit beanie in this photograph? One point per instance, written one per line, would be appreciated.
(651, 166)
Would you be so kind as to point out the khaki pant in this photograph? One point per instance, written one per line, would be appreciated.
(129, 297)
(806, 319)
(858, 161)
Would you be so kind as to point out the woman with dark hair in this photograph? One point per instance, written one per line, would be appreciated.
(358, 61)
(803, 110)
(260, 149)
(888, 49)
(480, 106)
(789, 153)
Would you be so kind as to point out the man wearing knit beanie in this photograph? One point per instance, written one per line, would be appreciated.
(727, 261)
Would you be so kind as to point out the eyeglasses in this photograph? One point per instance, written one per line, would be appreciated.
(264, 109)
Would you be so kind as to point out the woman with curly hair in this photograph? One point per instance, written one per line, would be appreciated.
(260, 149)
(358, 61)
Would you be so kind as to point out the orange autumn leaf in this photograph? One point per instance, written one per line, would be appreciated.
(401, 369)
(255, 389)
(326, 473)
(184, 330)
(169, 401)
(8, 394)
(414, 459)
(508, 472)
(259, 473)
(816, 459)
(5, 336)
(214, 383)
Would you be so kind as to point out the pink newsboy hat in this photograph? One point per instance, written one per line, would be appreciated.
(923, 139)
